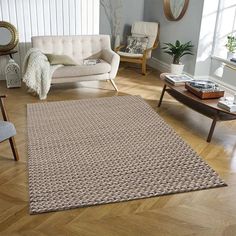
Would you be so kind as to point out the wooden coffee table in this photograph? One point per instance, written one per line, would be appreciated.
(208, 107)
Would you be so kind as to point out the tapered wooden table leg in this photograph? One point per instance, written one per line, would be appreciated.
(162, 95)
(213, 125)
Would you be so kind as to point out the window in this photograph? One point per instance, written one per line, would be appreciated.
(225, 25)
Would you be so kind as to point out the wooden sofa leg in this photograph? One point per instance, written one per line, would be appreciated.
(114, 85)
(13, 148)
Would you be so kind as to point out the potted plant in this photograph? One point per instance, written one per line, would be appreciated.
(231, 46)
(177, 51)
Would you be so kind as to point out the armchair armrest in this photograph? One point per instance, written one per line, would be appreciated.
(119, 47)
(145, 53)
(113, 59)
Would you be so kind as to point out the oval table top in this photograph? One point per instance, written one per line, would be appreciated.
(211, 103)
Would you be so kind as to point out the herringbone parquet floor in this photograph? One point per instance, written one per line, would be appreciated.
(204, 213)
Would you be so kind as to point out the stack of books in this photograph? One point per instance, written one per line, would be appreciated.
(228, 103)
(177, 79)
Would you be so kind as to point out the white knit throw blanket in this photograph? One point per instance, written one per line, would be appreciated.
(38, 72)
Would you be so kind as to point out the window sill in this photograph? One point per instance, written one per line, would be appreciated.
(226, 74)
(229, 63)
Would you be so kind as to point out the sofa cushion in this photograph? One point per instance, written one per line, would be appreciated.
(82, 70)
(7, 130)
(145, 29)
(65, 60)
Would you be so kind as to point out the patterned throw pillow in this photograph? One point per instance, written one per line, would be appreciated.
(136, 45)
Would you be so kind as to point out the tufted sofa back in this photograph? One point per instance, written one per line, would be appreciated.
(77, 47)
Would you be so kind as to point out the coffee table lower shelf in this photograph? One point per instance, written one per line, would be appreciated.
(201, 107)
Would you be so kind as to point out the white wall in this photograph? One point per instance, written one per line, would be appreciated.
(132, 11)
(226, 26)
(48, 17)
(187, 29)
(206, 38)
(221, 69)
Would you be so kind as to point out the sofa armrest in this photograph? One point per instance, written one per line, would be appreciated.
(113, 59)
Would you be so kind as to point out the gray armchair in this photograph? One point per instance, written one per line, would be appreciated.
(7, 129)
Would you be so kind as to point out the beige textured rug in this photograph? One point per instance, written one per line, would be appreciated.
(105, 150)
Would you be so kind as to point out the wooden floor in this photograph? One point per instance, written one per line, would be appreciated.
(204, 213)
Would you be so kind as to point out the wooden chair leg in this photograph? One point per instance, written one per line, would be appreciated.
(144, 67)
(13, 148)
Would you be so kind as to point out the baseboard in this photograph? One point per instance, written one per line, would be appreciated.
(159, 65)
(163, 66)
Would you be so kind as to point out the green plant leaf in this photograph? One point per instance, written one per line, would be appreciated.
(177, 43)
(178, 50)
(187, 53)
(231, 43)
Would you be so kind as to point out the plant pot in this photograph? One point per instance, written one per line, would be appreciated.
(176, 69)
(230, 55)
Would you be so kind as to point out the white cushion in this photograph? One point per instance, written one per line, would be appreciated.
(146, 29)
(82, 70)
(126, 54)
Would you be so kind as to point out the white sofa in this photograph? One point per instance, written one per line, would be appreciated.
(80, 48)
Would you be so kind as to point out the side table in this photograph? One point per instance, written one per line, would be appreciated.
(207, 108)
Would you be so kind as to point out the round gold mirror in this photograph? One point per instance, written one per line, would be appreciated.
(8, 36)
(175, 9)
